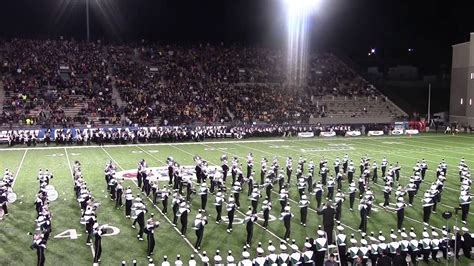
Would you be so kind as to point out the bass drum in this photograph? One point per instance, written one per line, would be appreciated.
(52, 195)
(11, 197)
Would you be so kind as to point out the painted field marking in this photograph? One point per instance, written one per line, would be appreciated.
(72, 176)
(144, 145)
(19, 168)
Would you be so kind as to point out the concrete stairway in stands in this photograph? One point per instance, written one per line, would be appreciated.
(2, 96)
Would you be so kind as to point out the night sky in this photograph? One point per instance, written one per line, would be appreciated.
(351, 27)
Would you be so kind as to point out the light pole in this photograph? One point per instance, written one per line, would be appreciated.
(87, 20)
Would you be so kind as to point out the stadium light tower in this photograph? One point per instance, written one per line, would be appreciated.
(298, 13)
(87, 21)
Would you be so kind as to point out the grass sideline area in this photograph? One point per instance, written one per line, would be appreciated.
(25, 163)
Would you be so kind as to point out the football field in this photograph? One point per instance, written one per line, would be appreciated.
(67, 242)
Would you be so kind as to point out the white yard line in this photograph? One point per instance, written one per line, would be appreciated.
(19, 168)
(71, 172)
(159, 210)
(143, 144)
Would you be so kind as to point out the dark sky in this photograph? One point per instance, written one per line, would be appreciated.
(349, 26)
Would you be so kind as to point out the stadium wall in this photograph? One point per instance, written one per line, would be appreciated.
(351, 120)
(461, 108)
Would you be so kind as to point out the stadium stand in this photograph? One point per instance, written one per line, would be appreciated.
(61, 83)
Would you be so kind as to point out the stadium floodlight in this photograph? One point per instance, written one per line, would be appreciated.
(87, 20)
(298, 14)
(302, 6)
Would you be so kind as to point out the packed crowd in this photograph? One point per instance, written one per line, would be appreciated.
(62, 82)
(43, 78)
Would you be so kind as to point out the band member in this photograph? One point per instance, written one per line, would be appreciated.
(203, 191)
(286, 216)
(118, 197)
(219, 200)
(112, 187)
(254, 197)
(225, 168)
(177, 200)
(263, 171)
(400, 208)
(426, 246)
(321, 246)
(387, 190)
(350, 172)
(170, 171)
(128, 202)
(318, 192)
(230, 214)
(268, 187)
(394, 245)
(230, 260)
(39, 243)
(363, 209)
(427, 205)
(375, 169)
(341, 244)
(303, 204)
(266, 208)
(141, 172)
(464, 201)
(283, 199)
(249, 221)
(352, 193)
(199, 223)
(435, 243)
(302, 184)
(339, 199)
(183, 212)
(89, 219)
(324, 173)
(289, 169)
(139, 210)
(383, 166)
(412, 190)
(413, 250)
(98, 232)
(164, 198)
(236, 189)
(328, 213)
(466, 242)
(151, 225)
(330, 187)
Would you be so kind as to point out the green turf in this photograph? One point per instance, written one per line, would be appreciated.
(14, 247)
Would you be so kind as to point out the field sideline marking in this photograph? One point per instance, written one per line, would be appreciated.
(159, 210)
(240, 212)
(72, 175)
(19, 168)
(143, 145)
